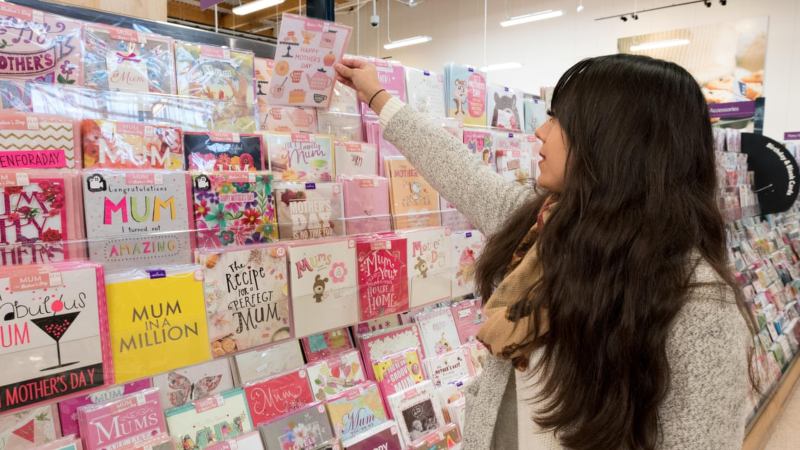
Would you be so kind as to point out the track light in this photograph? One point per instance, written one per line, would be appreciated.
(635, 16)
(707, 3)
(723, 2)
(623, 18)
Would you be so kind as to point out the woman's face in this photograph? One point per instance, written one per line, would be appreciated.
(553, 163)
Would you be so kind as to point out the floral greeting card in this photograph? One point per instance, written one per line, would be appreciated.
(209, 151)
(39, 141)
(305, 429)
(429, 265)
(300, 156)
(382, 276)
(331, 376)
(128, 145)
(309, 210)
(274, 397)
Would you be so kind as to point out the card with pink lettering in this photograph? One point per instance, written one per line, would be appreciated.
(382, 276)
(266, 362)
(466, 94)
(366, 204)
(138, 218)
(39, 46)
(333, 375)
(398, 371)
(37, 213)
(181, 386)
(234, 208)
(356, 158)
(323, 285)
(39, 141)
(300, 156)
(417, 411)
(125, 421)
(218, 418)
(438, 331)
(29, 428)
(429, 265)
(467, 247)
(274, 397)
(326, 344)
(450, 367)
(279, 118)
(383, 437)
(468, 317)
(52, 348)
(306, 52)
(307, 428)
(356, 410)
(68, 409)
(210, 151)
(480, 143)
(426, 91)
(505, 107)
(392, 76)
(216, 73)
(309, 210)
(121, 59)
(247, 298)
(131, 145)
(380, 344)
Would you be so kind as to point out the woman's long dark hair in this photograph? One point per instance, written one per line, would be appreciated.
(638, 199)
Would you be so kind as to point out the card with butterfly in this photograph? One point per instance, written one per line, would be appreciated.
(182, 386)
(201, 423)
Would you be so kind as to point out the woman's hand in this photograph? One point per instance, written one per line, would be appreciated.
(363, 77)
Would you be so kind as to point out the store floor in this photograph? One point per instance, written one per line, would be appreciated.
(786, 434)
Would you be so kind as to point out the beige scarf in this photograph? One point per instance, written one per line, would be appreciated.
(505, 336)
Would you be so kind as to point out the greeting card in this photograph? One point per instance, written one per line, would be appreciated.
(307, 428)
(480, 143)
(366, 204)
(433, 440)
(247, 441)
(417, 411)
(392, 76)
(467, 247)
(438, 331)
(121, 59)
(138, 218)
(234, 208)
(513, 157)
(342, 127)
(323, 285)
(468, 317)
(452, 218)
(306, 52)
(157, 321)
(382, 276)
(68, 409)
(535, 111)
(356, 410)
(159, 441)
(356, 158)
(333, 375)
(377, 324)
(415, 204)
(38, 141)
(130, 145)
(384, 437)
(54, 333)
(384, 343)
(125, 421)
(450, 367)
(217, 73)
(398, 371)
(429, 265)
(324, 345)
(70, 442)
(309, 210)
(247, 298)
(40, 46)
(479, 354)
(266, 362)
(344, 100)
(202, 423)
(27, 428)
(181, 386)
(426, 91)
(209, 151)
(273, 397)
(37, 213)
(300, 156)
(505, 106)
(279, 118)
(466, 94)
(374, 134)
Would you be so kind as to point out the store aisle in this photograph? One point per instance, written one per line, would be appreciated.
(786, 434)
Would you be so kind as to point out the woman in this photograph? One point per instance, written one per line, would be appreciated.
(610, 293)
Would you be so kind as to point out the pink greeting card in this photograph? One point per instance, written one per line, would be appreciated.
(374, 135)
(40, 46)
(306, 52)
(39, 141)
(377, 324)
(384, 343)
(438, 331)
(392, 76)
(279, 118)
(309, 210)
(451, 367)
(452, 218)
(32, 427)
(323, 285)
(382, 276)
(300, 156)
(467, 247)
(210, 151)
(68, 409)
(429, 265)
(480, 143)
(124, 421)
(505, 107)
(338, 373)
(273, 397)
(131, 145)
(366, 204)
(323, 345)
(398, 371)
(468, 316)
(356, 158)
(383, 437)
(513, 157)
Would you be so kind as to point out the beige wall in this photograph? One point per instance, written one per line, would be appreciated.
(143, 9)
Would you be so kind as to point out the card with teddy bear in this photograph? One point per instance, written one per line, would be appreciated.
(438, 331)
(429, 265)
(382, 276)
(505, 107)
(466, 94)
(414, 202)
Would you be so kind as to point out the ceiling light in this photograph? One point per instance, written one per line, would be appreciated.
(257, 5)
(659, 44)
(501, 66)
(406, 42)
(542, 15)
(580, 6)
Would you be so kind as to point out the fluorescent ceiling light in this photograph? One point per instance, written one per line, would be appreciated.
(542, 15)
(501, 66)
(251, 7)
(406, 42)
(659, 44)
